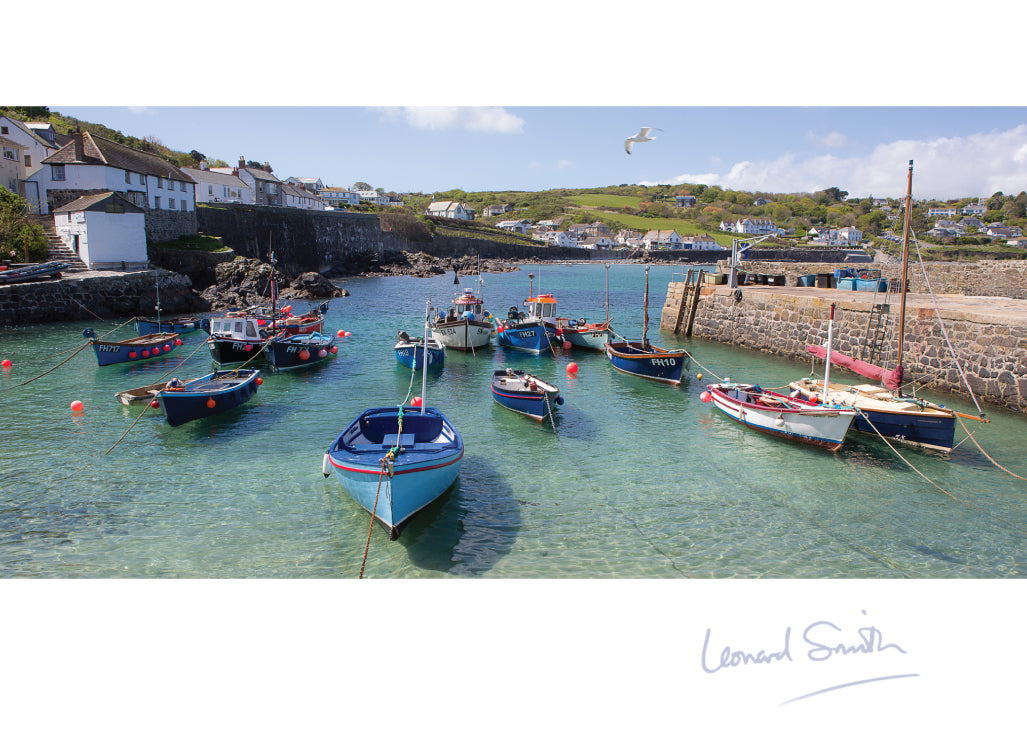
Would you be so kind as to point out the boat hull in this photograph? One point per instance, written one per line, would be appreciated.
(209, 395)
(593, 339)
(411, 355)
(298, 350)
(512, 390)
(231, 351)
(647, 361)
(426, 462)
(825, 427)
(462, 334)
(533, 337)
(143, 326)
(143, 348)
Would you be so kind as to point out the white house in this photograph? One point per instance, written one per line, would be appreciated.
(310, 184)
(598, 242)
(93, 163)
(945, 212)
(37, 147)
(217, 187)
(339, 197)
(975, 208)
(662, 240)
(850, 236)
(756, 226)
(297, 197)
(12, 164)
(559, 238)
(701, 242)
(516, 226)
(105, 230)
(373, 197)
(449, 209)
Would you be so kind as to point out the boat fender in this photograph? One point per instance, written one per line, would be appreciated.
(326, 466)
(738, 295)
(559, 400)
(88, 333)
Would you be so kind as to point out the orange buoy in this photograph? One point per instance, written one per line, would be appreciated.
(706, 396)
(347, 334)
(572, 368)
(416, 402)
(77, 406)
(341, 333)
(304, 355)
(155, 404)
(567, 344)
(500, 329)
(6, 363)
(211, 403)
(258, 381)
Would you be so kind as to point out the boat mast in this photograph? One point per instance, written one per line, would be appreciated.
(424, 356)
(645, 308)
(827, 358)
(607, 294)
(905, 261)
(157, 306)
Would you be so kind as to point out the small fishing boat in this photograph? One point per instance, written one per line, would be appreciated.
(779, 415)
(309, 322)
(236, 338)
(140, 348)
(140, 395)
(167, 325)
(524, 393)
(410, 352)
(465, 326)
(32, 272)
(212, 394)
(293, 351)
(533, 331)
(643, 359)
(411, 454)
(394, 461)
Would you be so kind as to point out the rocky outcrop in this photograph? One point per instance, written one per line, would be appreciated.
(244, 282)
(420, 264)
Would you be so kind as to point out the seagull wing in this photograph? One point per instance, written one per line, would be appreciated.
(627, 144)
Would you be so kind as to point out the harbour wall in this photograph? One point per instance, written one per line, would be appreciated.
(991, 352)
(993, 278)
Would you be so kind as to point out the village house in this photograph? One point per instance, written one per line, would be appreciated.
(38, 142)
(755, 227)
(701, 242)
(516, 226)
(942, 212)
(999, 231)
(214, 186)
(266, 187)
(761, 201)
(105, 230)
(299, 197)
(449, 209)
(310, 184)
(626, 234)
(90, 164)
(559, 238)
(598, 229)
(551, 224)
(12, 165)
(338, 197)
(661, 240)
(971, 223)
(684, 201)
(490, 211)
(975, 209)
(598, 242)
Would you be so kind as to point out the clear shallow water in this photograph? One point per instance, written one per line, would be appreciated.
(639, 480)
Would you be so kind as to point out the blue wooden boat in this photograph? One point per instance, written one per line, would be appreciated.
(297, 350)
(532, 336)
(410, 351)
(167, 325)
(524, 393)
(141, 348)
(394, 461)
(212, 394)
(643, 359)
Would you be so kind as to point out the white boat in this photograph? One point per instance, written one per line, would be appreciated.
(464, 326)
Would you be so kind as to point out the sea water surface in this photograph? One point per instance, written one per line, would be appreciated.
(634, 479)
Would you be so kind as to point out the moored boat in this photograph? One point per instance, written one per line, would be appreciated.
(779, 415)
(294, 351)
(394, 461)
(140, 395)
(524, 393)
(586, 334)
(465, 326)
(410, 352)
(209, 395)
(533, 331)
(140, 348)
(236, 338)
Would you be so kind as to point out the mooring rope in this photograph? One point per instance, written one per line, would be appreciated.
(386, 465)
(970, 436)
(705, 369)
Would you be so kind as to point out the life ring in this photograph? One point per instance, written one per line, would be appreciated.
(738, 295)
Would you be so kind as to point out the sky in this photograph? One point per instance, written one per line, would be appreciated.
(957, 151)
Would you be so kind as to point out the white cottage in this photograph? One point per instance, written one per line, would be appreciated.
(449, 209)
(105, 230)
(219, 187)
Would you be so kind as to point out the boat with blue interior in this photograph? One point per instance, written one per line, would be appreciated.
(524, 393)
(410, 351)
(140, 348)
(212, 394)
(297, 350)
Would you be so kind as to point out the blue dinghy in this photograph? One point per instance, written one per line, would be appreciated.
(394, 461)
(141, 348)
(411, 350)
(524, 393)
(212, 394)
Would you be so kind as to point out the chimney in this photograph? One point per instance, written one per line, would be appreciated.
(242, 162)
(80, 146)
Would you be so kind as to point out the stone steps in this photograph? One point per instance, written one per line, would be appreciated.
(57, 250)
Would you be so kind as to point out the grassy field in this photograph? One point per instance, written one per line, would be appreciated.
(605, 201)
(643, 224)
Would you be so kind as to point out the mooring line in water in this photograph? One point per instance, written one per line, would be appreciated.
(932, 483)
(634, 523)
(386, 464)
(704, 368)
(971, 437)
(85, 345)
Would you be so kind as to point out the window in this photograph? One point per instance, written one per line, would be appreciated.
(181, 186)
(9, 154)
(156, 203)
(210, 189)
(142, 179)
(3, 130)
(128, 177)
(28, 161)
(171, 203)
(57, 172)
(183, 205)
(160, 183)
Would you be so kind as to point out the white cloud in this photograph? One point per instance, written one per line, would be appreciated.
(945, 168)
(832, 140)
(564, 163)
(483, 119)
(141, 110)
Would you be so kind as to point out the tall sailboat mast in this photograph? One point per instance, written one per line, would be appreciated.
(905, 261)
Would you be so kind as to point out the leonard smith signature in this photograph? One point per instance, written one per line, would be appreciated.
(822, 641)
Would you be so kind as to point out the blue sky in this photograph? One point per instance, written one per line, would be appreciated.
(957, 151)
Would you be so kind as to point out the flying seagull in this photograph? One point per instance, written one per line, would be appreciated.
(642, 135)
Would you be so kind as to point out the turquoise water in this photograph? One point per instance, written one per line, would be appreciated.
(638, 480)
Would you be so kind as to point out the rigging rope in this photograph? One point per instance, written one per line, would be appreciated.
(386, 471)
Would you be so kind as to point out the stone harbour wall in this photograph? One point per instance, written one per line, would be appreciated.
(1006, 278)
(993, 355)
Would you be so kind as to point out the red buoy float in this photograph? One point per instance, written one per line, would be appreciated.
(132, 354)
(77, 406)
(167, 347)
(322, 353)
(706, 396)
(341, 333)
(248, 347)
(346, 334)
(567, 345)
(211, 403)
(156, 351)
(572, 368)
(416, 402)
(6, 363)
(335, 349)
(258, 381)
(155, 404)
(146, 354)
(178, 341)
(304, 355)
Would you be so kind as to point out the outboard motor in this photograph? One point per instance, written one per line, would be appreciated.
(402, 336)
